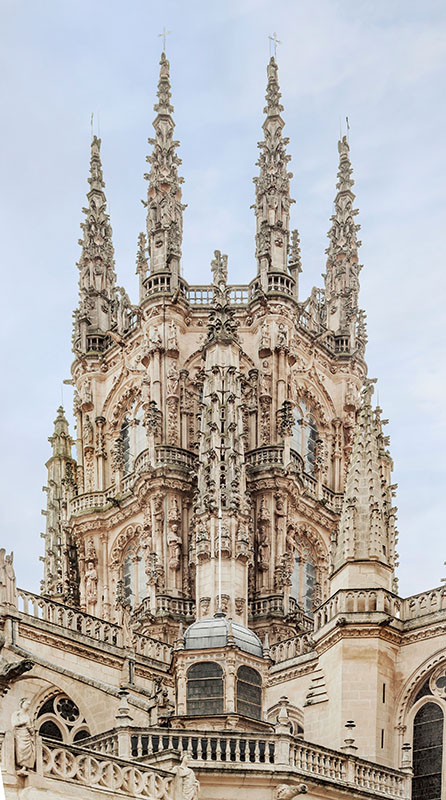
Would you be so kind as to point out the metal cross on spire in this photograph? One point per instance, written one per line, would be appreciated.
(273, 42)
(163, 35)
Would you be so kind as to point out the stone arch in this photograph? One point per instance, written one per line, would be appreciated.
(310, 388)
(413, 683)
(304, 543)
(121, 542)
(119, 399)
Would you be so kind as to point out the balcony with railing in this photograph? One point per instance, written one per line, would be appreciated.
(269, 753)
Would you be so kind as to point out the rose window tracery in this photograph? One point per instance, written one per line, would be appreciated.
(59, 718)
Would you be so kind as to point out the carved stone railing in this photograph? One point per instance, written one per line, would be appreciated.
(258, 751)
(289, 648)
(101, 630)
(175, 605)
(278, 605)
(418, 605)
(78, 766)
(152, 648)
(201, 295)
(88, 502)
(268, 456)
(175, 457)
(347, 601)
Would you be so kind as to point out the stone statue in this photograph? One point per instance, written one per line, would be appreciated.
(173, 378)
(185, 784)
(174, 543)
(91, 583)
(24, 738)
(7, 579)
(88, 432)
(172, 341)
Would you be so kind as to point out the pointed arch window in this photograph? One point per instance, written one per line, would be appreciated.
(133, 437)
(428, 752)
(59, 718)
(305, 435)
(303, 580)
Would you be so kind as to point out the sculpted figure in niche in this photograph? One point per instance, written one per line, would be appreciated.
(91, 583)
(88, 432)
(172, 341)
(263, 549)
(186, 786)
(174, 544)
(172, 379)
(24, 737)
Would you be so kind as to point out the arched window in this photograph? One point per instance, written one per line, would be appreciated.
(59, 718)
(249, 692)
(427, 752)
(134, 576)
(205, 689)
(304, 437)
(133, 438)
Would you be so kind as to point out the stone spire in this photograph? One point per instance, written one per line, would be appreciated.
(367, 524)
(272, 206)
(60, 580)
(96, 311)
(164, 206)
(342, 275)
(142, 266)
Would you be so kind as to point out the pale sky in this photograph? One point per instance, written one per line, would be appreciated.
(381, 62)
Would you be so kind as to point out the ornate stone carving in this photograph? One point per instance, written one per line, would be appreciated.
(24, 737)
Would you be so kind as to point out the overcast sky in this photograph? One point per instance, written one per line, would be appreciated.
(381, 62)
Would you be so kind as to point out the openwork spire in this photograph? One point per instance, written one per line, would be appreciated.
(96, 312)
(366, 530)
(164, 206)
(97, 261)
(61, 579)
(342, 275)
(272, 206)
(222, 326)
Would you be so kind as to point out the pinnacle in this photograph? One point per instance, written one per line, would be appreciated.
(273, 106)
(164, 89)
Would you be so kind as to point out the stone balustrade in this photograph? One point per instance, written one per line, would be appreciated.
(258, 751)
(76, 765)
(151, 648)
(202, 295)
(417, 605)
(347, 601)
(101, 630)
(268, 456)
(290, 648)
(175, 457)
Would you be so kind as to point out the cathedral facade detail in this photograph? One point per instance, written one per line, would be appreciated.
(219, 606)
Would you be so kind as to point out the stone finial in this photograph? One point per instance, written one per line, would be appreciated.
(164, 205)
(272, 185)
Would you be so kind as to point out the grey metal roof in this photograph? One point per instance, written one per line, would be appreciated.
(213, 632)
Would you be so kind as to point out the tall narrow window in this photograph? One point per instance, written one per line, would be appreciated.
(427, 752)
(134, 577)
(204, 692)
(303, 579)
(133, 438)
(249, 692)
(304, 437)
